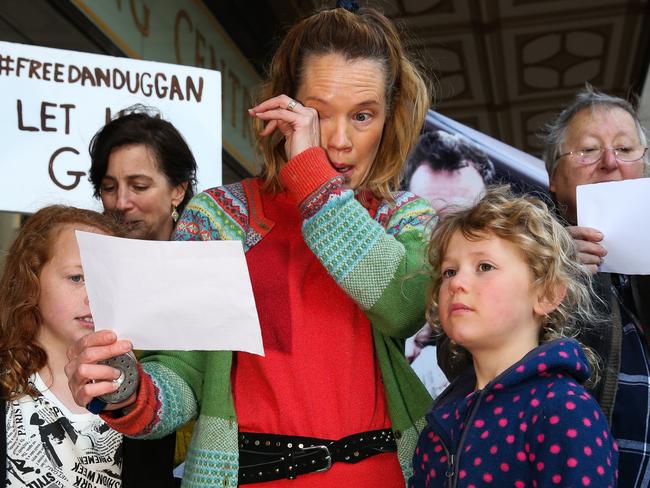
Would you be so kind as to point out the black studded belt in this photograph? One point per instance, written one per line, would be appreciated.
(269, 457)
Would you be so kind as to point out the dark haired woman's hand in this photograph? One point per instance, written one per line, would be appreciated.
(297, 123)
(86, 378)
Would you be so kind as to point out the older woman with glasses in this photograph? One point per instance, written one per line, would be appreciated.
(600, 138)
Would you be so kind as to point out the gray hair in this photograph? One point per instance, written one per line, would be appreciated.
(555, 131)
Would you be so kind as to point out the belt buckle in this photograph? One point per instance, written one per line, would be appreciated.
(328, 456)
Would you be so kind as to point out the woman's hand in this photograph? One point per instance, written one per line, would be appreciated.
(298, 124)
(590, 253)
(86, 378)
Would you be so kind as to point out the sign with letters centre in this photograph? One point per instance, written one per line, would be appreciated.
(53, 101)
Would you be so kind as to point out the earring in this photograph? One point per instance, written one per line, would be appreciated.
(174, 213)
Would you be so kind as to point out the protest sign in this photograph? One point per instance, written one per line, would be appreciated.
(53, 101)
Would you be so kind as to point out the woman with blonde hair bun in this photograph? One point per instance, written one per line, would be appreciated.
(335, 257)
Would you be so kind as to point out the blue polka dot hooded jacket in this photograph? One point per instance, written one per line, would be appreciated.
(532, 426)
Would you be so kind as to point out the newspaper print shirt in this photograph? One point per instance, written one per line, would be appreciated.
(50, 447)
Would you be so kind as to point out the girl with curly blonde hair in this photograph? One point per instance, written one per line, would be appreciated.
(507, 296)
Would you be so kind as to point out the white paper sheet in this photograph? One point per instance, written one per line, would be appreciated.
(171, 295)
(620, 210)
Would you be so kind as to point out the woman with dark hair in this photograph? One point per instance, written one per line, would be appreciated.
(145, 173)
(335, 258)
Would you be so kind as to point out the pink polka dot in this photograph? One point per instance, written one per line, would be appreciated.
(599, 441)
(572, 433)
(438, 448)
(521, 456)
(443, 459)
(554, 420)
(586, 422)
(540, 438)
(498, 410)
(520, 415)
(587, 451)
(477, 461)
(540, 466)
(515, 398)
(527, 447)
(563, 354)
(541, 367)
(586, 481)
(534, 402)
(523, 426)
(531, 457)
(498, 386)
(533, 391)
(572, 462)
(479, 423)
(556, 479)
(493, 450)
(487, 477)
(596, 414)
(542, 354)
(489, 398)
(605, 434)
(505, 467)
(468, 447)
(550, 394)
(503, 422)
(520, 484)
(571, 393)
(425, 457)
(445, 415)
(510, 439)
(432, 473)
(520, 368)
(579, 367)
(600, 470)
(485, 434)
(570, 405)
(555, 448)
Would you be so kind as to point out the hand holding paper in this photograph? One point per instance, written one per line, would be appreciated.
(171, 295)
(619, 209)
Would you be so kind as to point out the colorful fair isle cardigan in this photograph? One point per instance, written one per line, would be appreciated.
(379, 262)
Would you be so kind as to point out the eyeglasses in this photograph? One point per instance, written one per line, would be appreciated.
(591, 156)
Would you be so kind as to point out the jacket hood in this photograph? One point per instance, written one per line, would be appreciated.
(560, 356)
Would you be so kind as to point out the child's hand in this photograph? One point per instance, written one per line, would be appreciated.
(590, 253)
(86, 378)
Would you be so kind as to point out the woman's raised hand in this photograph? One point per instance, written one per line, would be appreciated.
(297, 123)
(86, 378)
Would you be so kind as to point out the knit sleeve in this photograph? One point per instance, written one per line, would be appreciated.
(570, 443)
(383, 269)
(165, 399)
(171, 387)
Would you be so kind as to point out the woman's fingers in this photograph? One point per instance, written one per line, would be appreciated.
(280, 102)
(269, 129)
(99, 338)
(585, 233)
(86, 378)
(590, 253)
(298, 124)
